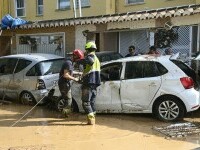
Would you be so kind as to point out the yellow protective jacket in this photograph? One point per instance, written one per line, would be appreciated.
(91, 73)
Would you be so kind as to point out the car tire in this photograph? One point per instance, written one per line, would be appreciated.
(27, 98)
(60, 104)
(169, 109)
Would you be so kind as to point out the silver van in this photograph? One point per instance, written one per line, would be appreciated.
(28, 77)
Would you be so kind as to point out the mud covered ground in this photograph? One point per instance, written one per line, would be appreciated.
(44, 129)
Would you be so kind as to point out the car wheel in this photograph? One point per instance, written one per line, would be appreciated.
(60, 104)
(27, 98)
(168, 109)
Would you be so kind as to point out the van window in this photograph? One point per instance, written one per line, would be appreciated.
(46, 68)
(22, 63)
(7, 65)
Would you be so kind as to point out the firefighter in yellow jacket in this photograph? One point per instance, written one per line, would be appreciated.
(91, 80)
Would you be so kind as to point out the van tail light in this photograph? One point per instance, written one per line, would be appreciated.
(40, 84)
(187, 82)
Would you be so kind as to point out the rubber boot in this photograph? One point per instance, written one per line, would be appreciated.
(90, 119)
(95, 113)
(66, 111)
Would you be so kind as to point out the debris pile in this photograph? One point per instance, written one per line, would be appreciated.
(179, 130)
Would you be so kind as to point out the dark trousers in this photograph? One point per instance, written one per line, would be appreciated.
(89, 93)
(65, 90)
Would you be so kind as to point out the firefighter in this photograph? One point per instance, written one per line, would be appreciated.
(66, 76)
(90, 81)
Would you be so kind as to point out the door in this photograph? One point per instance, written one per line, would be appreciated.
(108, 96)
(17, 83)
(141, 83)
(7, 66)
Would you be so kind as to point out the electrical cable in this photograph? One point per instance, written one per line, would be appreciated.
(27, 112)
(32, 107)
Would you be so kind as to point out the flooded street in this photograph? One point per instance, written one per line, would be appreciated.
(48, 130)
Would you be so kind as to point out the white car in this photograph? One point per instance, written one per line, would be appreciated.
(144, 84)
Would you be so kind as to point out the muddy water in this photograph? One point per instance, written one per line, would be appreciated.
(48, 130)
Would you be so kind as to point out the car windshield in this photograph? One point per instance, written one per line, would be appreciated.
(108, 56)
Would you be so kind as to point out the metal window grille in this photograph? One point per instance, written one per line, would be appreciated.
(137, 38)
(182, 43)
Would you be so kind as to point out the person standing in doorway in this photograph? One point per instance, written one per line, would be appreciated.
(65, 78)
(132, 51)
(90, 81)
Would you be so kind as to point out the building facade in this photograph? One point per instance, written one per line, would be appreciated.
(57, 26)
(5, 45)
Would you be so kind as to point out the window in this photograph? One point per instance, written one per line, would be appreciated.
(134, 70)
(63, 4)
(150, 69)
(46, 68)
(84, 3)
(141, 69)
(111, 72)
(134, 1)
(162, 70)
(7, 65)
(39, 7)
(22, 63)
(20, 8)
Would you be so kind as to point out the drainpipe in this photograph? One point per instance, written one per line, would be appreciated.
(198, 45)
(190, 43)
(74, 2)
(9, 7)
(119, 44)
(80, 12)
(198, 38)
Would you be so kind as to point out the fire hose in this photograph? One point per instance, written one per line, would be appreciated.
(36, 104)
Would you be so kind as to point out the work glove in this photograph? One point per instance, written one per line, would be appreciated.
(76, 79)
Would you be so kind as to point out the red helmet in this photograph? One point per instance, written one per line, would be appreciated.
(78, 55)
